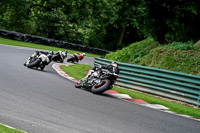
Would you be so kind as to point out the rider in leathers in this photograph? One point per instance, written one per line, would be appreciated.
(79, 56)
(113, 68)
(37, 53)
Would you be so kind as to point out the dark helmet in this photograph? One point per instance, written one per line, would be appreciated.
(51, 52)
(37, 52)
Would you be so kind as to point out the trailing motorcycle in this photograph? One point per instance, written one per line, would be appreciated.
(59, 56)
(38, 60)
(76, 57)
(98, 81)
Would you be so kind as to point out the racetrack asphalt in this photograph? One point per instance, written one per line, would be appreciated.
(44, 102)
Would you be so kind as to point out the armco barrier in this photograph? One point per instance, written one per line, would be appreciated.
(171, 84)
(50, 42)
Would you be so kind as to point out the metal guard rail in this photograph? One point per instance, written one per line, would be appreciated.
(171, 84)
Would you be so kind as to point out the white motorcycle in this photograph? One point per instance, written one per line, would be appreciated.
(38, 60)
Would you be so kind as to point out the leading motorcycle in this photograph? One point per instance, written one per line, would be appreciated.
(98, 81)
(76, 57)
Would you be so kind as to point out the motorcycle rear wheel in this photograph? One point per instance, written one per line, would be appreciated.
(34, 63)
(100, 88)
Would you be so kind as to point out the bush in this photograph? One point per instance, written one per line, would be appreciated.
(134, 52)
(176, 56)
(182, 46)
(181, 57)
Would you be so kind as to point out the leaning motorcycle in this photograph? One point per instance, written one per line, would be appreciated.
(98, 82)
(38, 61)
(75, 58)
(59, 56)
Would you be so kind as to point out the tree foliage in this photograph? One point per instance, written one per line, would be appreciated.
(104, 24)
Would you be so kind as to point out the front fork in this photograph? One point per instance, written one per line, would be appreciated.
(82, 84)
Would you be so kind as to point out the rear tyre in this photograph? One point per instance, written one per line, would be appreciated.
(100, 88)
(34, 63)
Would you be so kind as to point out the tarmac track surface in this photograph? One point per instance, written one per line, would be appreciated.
(44, 102)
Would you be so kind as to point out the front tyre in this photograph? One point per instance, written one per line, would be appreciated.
(78, 84)
(42, 67)
(100, 88)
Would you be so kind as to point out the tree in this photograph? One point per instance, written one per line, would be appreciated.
(179, 20)
(104, 24)
(13, 15)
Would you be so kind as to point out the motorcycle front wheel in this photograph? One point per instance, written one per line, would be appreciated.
(78, 84)
(42, 67)
(100, 88)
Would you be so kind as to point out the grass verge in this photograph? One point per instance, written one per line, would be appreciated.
(38, 46)
(4, 129)
(79, 71)
(175, 56)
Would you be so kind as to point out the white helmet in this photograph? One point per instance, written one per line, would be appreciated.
(83, 54)
(64, 54)
(115, 64)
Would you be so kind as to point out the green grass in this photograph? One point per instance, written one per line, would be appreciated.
(4, 129)
(170, 58)
(176, 56)
(134, 52)
(38, 46)
(79, 71)
(174, 107)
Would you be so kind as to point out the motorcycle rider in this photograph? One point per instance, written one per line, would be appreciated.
(37, 53)
(79, 56)
(112, 67)
(61, 55)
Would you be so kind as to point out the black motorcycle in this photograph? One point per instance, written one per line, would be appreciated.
(72, 59)
(98, 82)
(59, 56)
(75, 58)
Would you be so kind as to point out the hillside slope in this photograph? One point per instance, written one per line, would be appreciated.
(180, 57)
